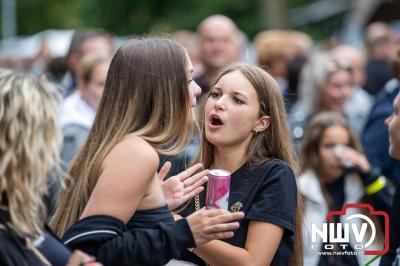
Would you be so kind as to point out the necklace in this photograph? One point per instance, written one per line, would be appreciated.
(197, 202)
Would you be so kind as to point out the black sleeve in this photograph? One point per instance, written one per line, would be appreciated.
(13, 251)
(111, 243)
(276, 198)
(375, 132)
(381, 200)
(394, 231)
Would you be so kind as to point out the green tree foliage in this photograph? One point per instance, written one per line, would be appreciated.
(126, 17)
(130, 17)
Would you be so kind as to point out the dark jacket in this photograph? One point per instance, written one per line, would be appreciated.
(375, 137)
(394, 231)
(112, 243)
(15, 251)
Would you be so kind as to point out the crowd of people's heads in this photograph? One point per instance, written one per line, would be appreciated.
(148, 88)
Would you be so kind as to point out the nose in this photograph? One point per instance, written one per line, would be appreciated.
(196, 89)
(220, 103)
(387, 120)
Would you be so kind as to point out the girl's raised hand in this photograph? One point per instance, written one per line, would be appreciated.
(180, 188)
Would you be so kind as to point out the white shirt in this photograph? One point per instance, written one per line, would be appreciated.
(75, 110)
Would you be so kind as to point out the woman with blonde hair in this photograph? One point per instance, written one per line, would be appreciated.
(113, 187)
(245, 131)
(325, 85)
(79, 109)
(29, 148)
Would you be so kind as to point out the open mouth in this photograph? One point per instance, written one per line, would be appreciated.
(215, 120)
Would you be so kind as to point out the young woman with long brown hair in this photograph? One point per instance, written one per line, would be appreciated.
(113, 187)
(245, 131)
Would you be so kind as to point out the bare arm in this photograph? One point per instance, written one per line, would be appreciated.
(127, 172)
(261, 245)
(120, 189)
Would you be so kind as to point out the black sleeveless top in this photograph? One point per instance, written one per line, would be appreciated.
(148, 219)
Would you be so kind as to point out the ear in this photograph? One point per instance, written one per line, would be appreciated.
(262, 124)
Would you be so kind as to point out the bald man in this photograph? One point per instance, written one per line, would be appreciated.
(219, 46)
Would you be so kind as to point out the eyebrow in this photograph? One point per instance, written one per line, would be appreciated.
(240, 93)
(234, 92)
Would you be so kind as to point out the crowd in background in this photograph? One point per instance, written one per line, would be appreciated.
(337, 99)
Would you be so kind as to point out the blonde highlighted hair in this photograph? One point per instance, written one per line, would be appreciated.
(314, 77)
(88, 64)
(29, 148)
(146, 94)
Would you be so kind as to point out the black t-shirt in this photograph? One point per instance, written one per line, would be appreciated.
(268, 193)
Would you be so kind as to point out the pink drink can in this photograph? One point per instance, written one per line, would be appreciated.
(219, 182)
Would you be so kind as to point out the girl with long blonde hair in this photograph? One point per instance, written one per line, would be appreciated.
(245, 131)
(29, 148)
(113, 187)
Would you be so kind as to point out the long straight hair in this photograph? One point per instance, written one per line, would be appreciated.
(274, 142)
(309, 152)
(29, 147)
(146, 94)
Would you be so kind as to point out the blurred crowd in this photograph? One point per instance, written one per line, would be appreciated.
(329, 91)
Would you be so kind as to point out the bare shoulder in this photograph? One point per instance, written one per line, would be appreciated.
(127, 172)
(133, 150)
